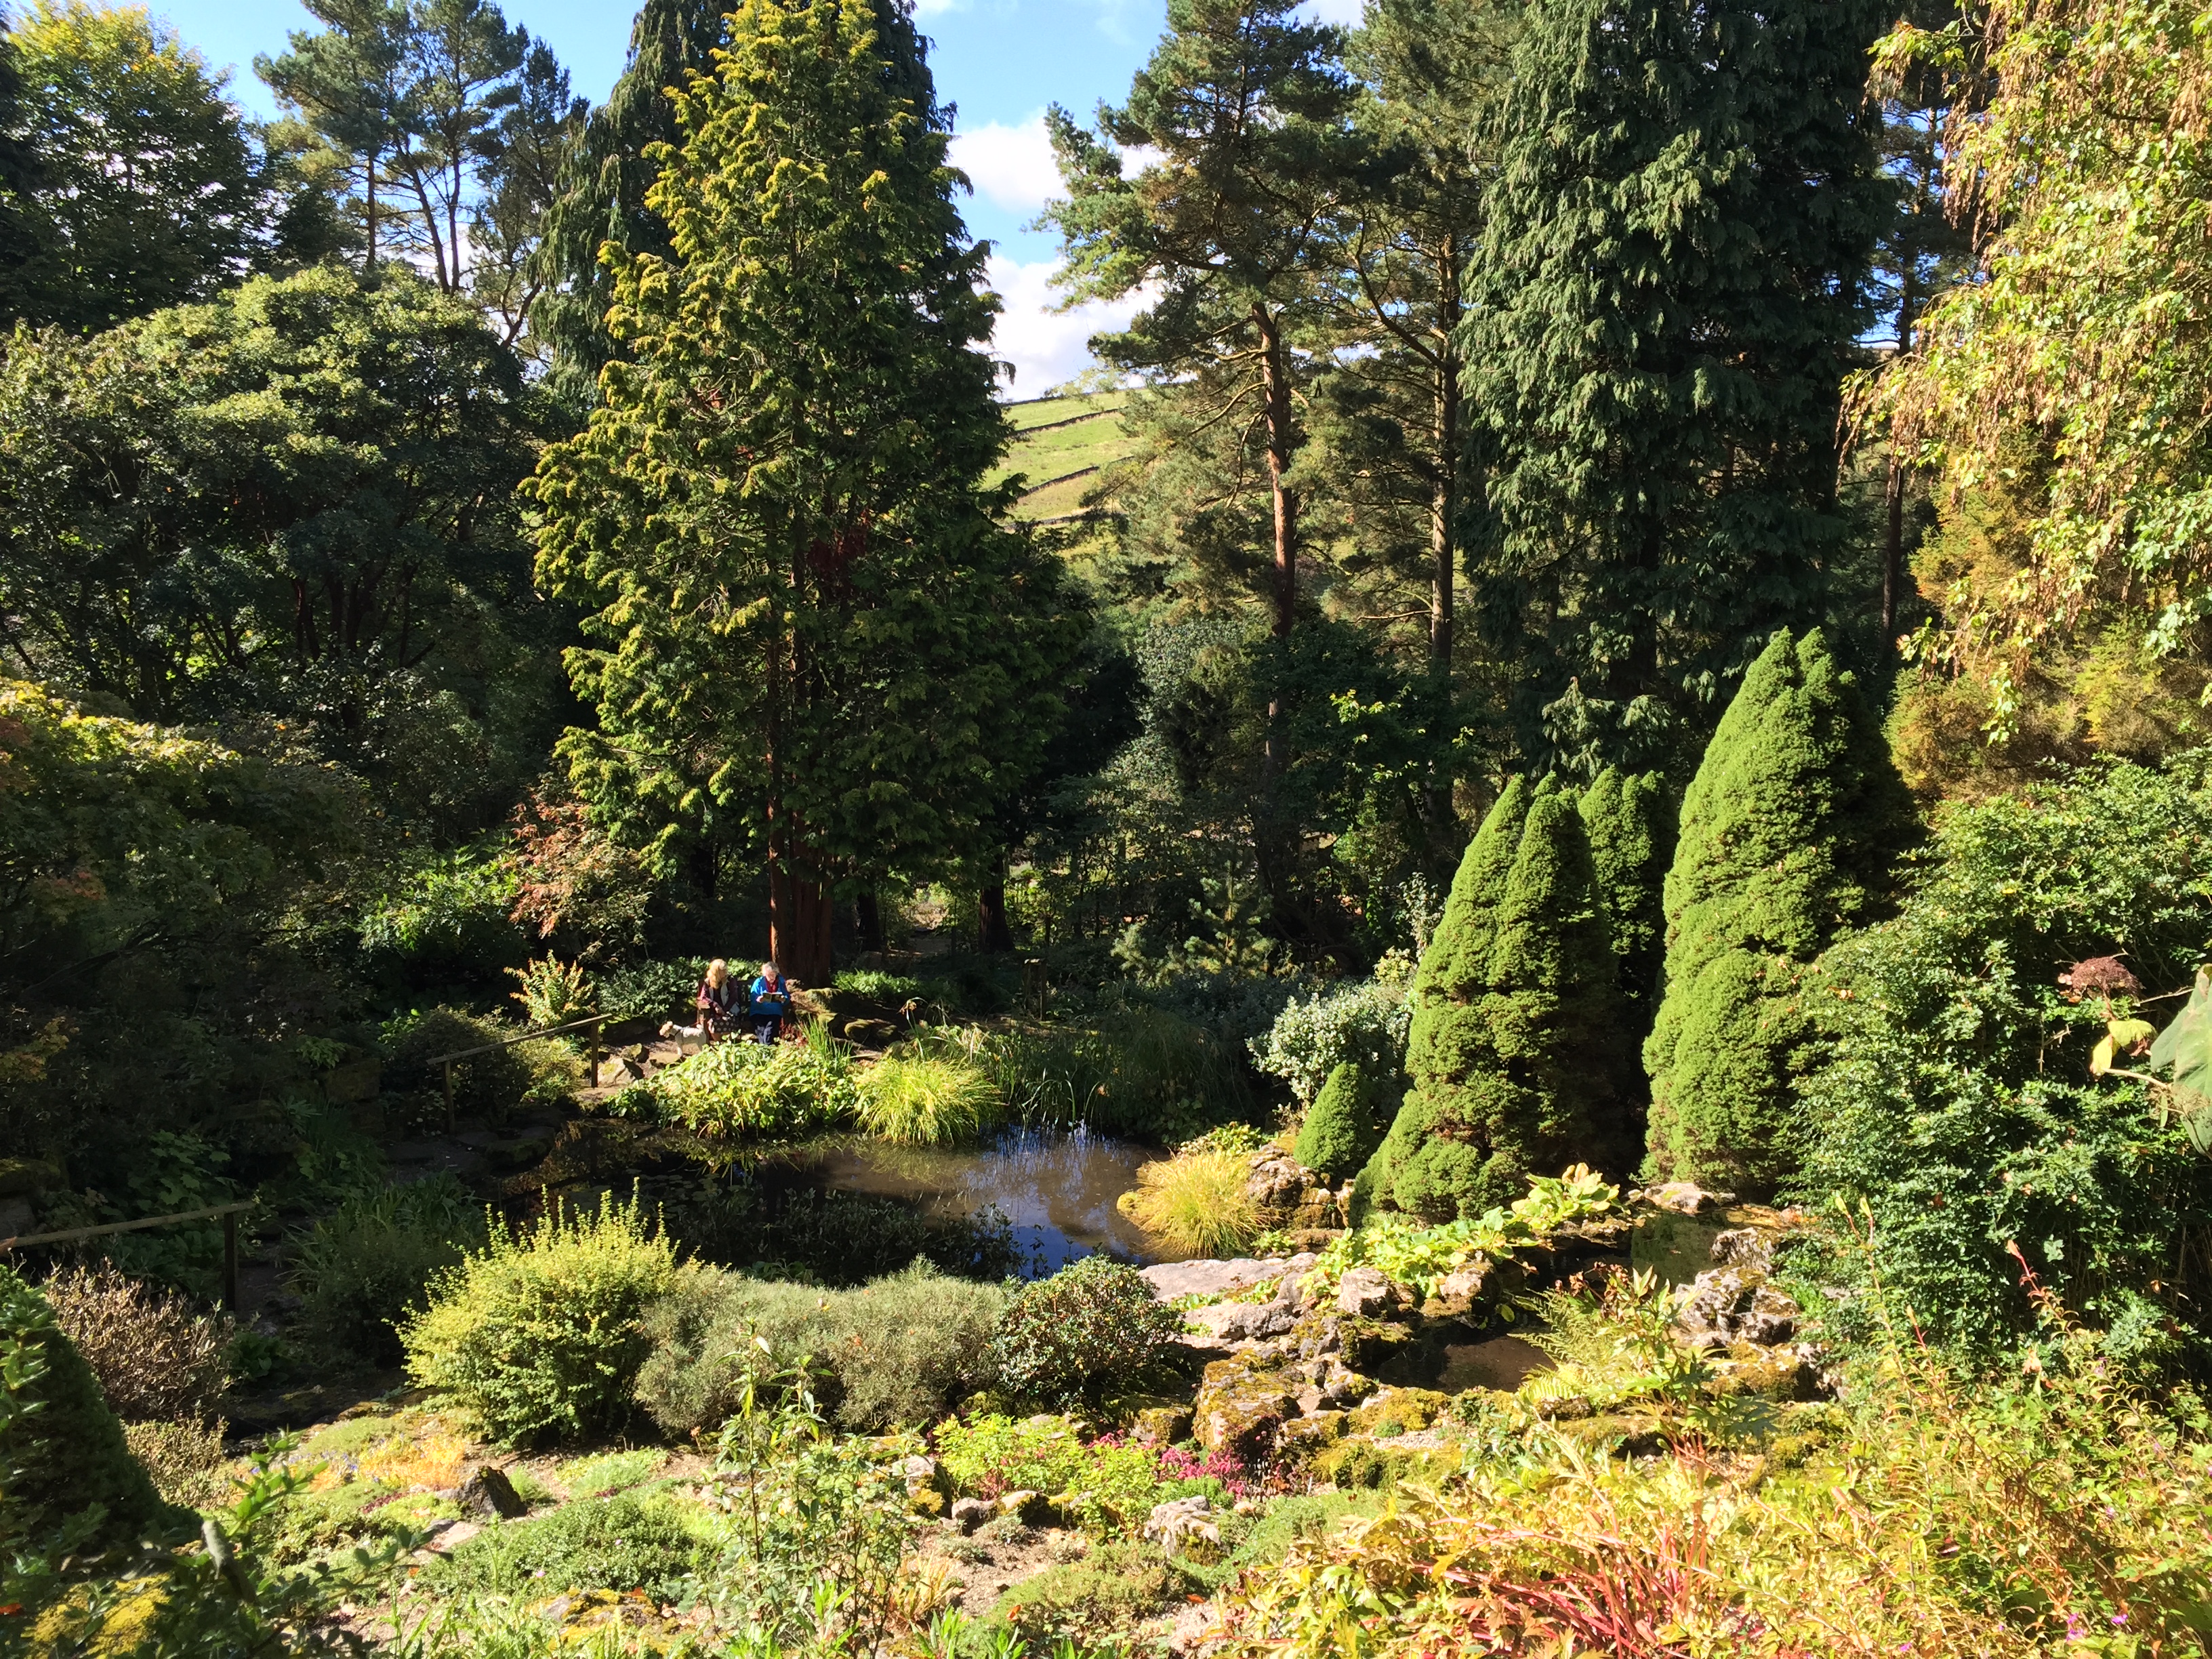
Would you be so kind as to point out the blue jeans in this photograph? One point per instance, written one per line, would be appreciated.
(766, 1031)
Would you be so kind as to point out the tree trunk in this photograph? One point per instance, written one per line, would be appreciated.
(993, 933)
(1443, 513)
(1267, 837)
(868, 918)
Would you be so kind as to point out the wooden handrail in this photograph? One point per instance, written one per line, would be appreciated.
(509, 1042)
(229, 1212)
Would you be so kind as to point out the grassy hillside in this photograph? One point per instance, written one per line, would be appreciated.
(1064, 443)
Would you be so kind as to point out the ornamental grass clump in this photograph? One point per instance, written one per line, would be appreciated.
(1196, 1202)
(925, 1100)
(537, 1336)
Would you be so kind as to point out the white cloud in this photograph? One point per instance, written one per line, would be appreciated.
(931, 8)
(1010, 166)
(1047, 347)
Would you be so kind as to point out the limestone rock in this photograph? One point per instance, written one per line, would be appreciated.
(1243, 1322)
(1305, 1439)
(1161, 1426)
(1184, 1526)
(1686, 1198)
(1728, 1305)
(1026, 1506)
(1278, 1182)
(1745, 1247)
(1364, 1293)
(970, 1513)
(1170, 1279)
(485, 1490)
(1239, 1408)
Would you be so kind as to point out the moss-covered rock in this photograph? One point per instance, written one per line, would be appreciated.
(1303, 1440)
(1240, 1406)
(1402, 1410)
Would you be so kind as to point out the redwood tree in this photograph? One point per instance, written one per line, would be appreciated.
(812, 637)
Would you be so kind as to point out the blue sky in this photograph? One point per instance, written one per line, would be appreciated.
(1000, 61)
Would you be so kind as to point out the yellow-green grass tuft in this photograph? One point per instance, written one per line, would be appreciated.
(1196, 1202)
(925, 1100)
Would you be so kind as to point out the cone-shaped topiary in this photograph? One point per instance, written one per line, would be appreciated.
(1522, 1070)
(1788, 835)
(65, 1473)
(1340, 1134)
(1630, 819)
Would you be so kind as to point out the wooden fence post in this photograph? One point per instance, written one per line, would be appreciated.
(230, 1262)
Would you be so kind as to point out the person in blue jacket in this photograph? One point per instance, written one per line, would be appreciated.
(770, 1006)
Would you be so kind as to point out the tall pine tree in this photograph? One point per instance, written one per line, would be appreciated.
(816, 641)
(1674, 276)
(1516, 1055)
(1789, 834)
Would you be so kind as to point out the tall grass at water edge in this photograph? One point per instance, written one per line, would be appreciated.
(1142, 1072)
(925, 1100)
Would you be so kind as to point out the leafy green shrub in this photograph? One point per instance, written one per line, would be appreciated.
(1630, 817)
(488, 1087)
(155, 1358)
(184, 1460)
(553, 991)
(651, 990)
(537, 1335)
(1197, 1202)
(359, 1270)
(1342, 1128)
(901, 1350)
(619, 1543)
(1959, 1108)
(890, 990)
(1364, 1023)
(314, 1522)
(1788, 832)
(65, 1472)
(742, 1090)
(1092, 1331)
(925, 1100)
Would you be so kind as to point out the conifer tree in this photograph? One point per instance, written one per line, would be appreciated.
(1516, 1063)
(1788, 833)
(1673, 282)
(1630, 820)
(1340, 1134)
(814, 639)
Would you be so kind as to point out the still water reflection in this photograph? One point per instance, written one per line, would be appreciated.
(1056, 1186)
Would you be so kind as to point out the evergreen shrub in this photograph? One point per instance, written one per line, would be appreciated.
(1340, 1132)
(537, 1335)
(1630, 819)
(1090, 1332)
(1789, 834)
(1517, 1052)
(1365, 1022)
(1958, 1106)
(901, 1351)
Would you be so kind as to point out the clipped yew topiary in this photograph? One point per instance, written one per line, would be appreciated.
(1523, 1065)
(1630, 819)
(1340, 1132)
(1788, 835)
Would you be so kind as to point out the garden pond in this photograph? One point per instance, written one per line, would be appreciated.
(1056, 1187)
